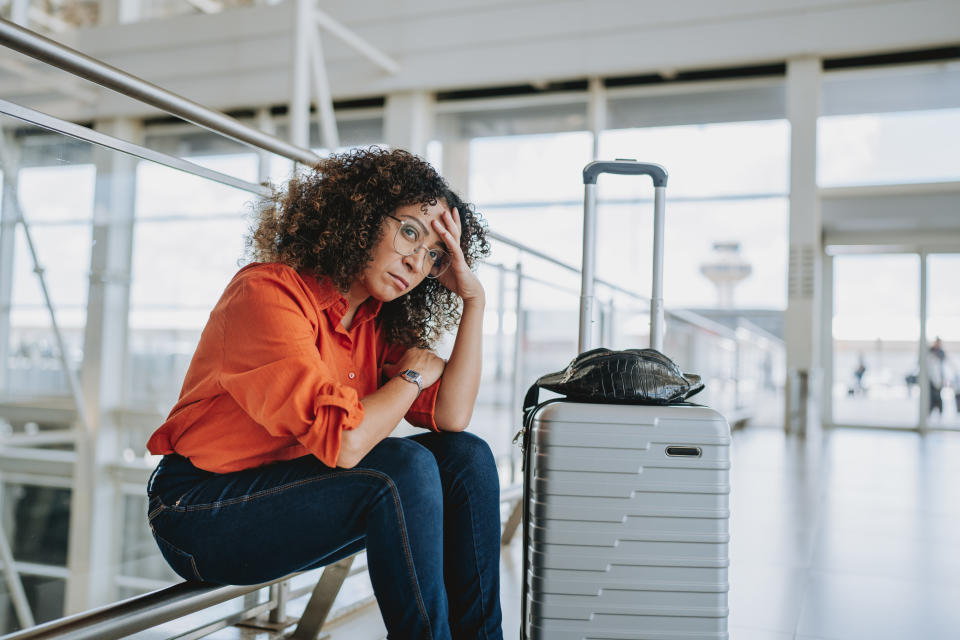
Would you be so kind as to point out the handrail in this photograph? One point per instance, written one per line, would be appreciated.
(50, 123)
(689, 317)
(57, 55)
(135, 614)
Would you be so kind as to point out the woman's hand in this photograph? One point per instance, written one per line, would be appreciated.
(425, 362)
(458, 277)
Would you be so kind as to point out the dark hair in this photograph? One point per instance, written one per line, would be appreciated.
(328, 221)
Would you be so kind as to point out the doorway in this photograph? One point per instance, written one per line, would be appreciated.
(876, 329)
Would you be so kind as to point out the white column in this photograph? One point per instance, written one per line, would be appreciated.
(264, 158)
(129, 11)
(803, 281)
(597, 113)
(456, 166)
(321, 84)
(8, 228)
(826, 340)
(95, 509)
(18, 12)
(408, 121)
(304, 29)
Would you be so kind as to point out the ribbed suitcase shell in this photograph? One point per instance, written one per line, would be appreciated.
(626, 541)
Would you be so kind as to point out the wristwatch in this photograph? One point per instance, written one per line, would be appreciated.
(412, 376)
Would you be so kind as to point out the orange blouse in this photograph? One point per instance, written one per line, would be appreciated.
(276, 376)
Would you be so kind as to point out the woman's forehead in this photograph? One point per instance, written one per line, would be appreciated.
(423, 209)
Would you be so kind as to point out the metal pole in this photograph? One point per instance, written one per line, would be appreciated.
(354, 41)
(72, 61)
(300, 97)
(123, 619)
(328, 122)
(279, 592)
(501, 301)
(8, 227)
(515, 388)
(597, 112)
(589, 267)
(265, 124)
(14, 583)
(321, 601)
(656, 293)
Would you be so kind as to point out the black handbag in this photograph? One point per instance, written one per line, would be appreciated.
(630, 376)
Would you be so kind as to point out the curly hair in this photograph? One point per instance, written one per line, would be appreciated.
(329, 221)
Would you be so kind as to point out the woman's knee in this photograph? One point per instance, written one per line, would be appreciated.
(472, 455)
(408, 466)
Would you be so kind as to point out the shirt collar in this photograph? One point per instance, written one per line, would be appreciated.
(332, 302)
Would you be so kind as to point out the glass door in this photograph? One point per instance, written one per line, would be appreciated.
(943, 357)
(876, 328)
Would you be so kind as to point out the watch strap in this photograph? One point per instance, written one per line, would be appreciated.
(412, 376)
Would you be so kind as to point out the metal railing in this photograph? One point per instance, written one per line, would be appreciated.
(72, 61)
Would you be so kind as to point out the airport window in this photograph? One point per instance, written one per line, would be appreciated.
(727, 184)
(888, 148)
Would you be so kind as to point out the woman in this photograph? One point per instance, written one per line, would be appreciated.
(277, 456)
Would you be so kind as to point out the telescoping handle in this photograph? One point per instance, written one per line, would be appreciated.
(622, 167)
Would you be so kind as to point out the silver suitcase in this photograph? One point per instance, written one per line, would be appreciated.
(626, 506)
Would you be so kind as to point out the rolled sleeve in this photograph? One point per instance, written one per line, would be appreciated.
(423, 411)
(297, 397)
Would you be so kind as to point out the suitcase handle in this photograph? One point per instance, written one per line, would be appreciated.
(590, 174)
(626, 167)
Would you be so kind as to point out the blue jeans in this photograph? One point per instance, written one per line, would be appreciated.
(426, 508)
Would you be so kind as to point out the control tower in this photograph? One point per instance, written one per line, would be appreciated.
(726, 268)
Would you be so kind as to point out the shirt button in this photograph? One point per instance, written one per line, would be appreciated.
(351, 375)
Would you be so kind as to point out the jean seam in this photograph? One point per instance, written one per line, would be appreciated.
(246, 498)
(406, 544)
(193, 562)
(153, 514)
(476, 557)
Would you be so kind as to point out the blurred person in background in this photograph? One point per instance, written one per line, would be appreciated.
(936, 365)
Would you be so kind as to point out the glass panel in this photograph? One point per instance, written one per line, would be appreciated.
(888, 148)
(54, 191)
(181, 264)
(875, 327)
(36, 521)
(706, 160)
(71, 200)
(551, 168)
(139, 555)
(44, 594)
(163, 192)
(943, 321)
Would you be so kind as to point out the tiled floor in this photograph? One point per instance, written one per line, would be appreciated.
(848, 535)
(853, 534)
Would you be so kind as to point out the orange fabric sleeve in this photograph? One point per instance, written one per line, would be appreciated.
(273, 370)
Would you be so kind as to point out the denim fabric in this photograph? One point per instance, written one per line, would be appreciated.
(426, 508)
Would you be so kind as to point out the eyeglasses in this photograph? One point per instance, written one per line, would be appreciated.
(409, 240)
